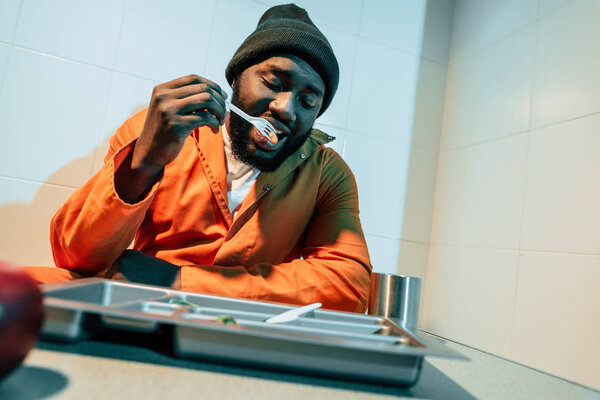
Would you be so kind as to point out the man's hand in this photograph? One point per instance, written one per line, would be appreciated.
(176, 109)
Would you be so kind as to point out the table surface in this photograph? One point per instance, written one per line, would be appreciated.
(122, 365)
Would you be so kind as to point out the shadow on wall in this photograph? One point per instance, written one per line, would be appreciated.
(429, 99)
(27, 224)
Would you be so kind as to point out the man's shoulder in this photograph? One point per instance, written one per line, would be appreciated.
(327, 157)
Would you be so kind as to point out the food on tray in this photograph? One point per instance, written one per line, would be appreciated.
(226, 319)
(180, 302)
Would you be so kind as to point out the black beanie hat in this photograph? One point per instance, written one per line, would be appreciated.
(288, 29)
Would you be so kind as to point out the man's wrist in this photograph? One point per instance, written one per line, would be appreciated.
(133, 183)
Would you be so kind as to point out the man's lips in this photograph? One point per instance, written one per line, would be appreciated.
(264, 144)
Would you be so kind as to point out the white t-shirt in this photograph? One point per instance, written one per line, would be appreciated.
(240, 177)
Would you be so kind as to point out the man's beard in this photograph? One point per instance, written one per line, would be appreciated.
(239, 133)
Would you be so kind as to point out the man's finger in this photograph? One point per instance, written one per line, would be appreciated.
(203, 102)
(192, 80)
(190, 90)
(201, 118)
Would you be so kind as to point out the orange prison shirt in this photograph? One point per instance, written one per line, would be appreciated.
(296, 239)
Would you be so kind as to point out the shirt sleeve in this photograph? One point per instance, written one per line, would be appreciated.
(94, 226)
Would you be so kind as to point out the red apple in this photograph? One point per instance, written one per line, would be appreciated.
(21, 316)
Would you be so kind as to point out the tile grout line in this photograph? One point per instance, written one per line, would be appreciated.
(403, 51)
(524, 194)
(528, 131)
(11, 45)
(568, 253)
(19, 13)
(320, 23)
(78, 62)
(474, 52)
(434, 224)
(8, 58)
(23, 180)
(496, 139)
(210, 37)
(116, 56)
(111, 78)
(352, 74)
(397, 239)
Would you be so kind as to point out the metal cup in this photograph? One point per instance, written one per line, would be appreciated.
(395, 297)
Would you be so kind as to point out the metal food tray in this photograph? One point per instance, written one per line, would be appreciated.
(329, 343)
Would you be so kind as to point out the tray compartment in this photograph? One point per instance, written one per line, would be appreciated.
(341, 316)
(231, 304)
(140, 316)
(325, 331)
(152, 307)
(251, 318)
(105, 293)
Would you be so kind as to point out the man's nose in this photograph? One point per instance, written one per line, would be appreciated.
(283, 107)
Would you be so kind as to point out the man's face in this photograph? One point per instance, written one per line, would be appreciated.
(287, 92)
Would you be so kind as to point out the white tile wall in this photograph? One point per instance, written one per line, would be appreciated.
(477, 23)
(224, 40)
(380, 170)
(557, 319)
(9, 14)
(470, 296)
(383, 253)
(456, 123)
(44, 132)
(517, 176)
(412, 259)
(25, 212)
(502, 80)
(420, 189)
(493, 193)
(339, 14)
(566, 84)
(344, 46)
(127, 95)
(420, 27)
(395, 23)
(447, 211)
(84, 31)
(383, 92)
(437, 31)
(440, 280)
(562, 193)
(493, 95)
(429, 105)
(165, 40)
(4, 54)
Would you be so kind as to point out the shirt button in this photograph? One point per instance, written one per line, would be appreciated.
(302, 155)
(266, 188)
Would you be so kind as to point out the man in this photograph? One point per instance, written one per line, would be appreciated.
(209, 203)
